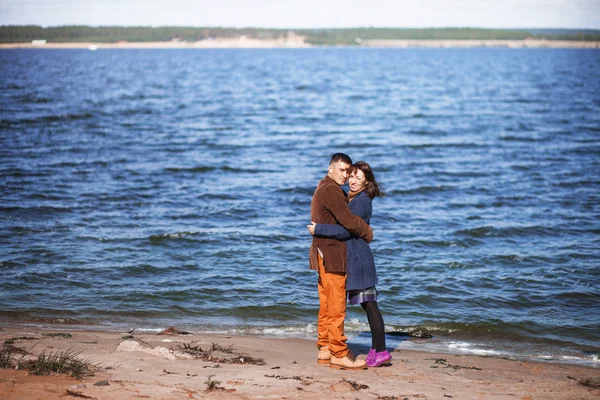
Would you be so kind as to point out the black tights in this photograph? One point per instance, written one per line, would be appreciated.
(376, 324)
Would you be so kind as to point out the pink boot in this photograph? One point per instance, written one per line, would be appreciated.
(370, 355)
(379, 359)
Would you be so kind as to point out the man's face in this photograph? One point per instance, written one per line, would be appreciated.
(338, 171)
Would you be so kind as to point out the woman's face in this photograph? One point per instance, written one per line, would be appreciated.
(357, 180)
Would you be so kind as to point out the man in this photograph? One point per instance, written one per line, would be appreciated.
(328, 256)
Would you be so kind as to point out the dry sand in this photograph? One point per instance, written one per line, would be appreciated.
(242, 42)
(150, 366)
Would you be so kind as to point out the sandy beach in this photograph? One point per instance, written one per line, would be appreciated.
(218, 43)
(217, 366)
(298, 42)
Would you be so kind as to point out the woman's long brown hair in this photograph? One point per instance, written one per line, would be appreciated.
(372, 188)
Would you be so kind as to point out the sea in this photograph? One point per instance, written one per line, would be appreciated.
(143, 189)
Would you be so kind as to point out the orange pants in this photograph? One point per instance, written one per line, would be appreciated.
(332, 311)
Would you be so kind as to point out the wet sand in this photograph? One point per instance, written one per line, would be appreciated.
(151, 366)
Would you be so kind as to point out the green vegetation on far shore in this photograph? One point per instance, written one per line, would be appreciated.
(345, 36)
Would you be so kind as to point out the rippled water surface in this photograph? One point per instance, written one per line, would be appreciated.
(147, 188)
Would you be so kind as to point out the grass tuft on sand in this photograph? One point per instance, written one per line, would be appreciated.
(59, 362)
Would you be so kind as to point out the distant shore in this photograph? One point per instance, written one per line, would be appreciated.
(298, 42)
(516, 44)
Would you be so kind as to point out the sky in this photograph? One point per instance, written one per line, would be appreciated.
(306, 13)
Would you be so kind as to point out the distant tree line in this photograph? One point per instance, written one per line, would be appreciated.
(76, 33)
(108, 34)
(349, 36)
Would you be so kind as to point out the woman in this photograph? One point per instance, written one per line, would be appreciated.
(361, 274)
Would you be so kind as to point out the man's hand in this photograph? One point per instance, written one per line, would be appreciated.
(369, 238)
(311, 227)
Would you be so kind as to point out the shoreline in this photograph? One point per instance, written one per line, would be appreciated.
(149, 365)
(419, 338)
(295, 43)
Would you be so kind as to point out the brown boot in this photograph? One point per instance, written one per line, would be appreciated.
(324, 355)
(347, 362)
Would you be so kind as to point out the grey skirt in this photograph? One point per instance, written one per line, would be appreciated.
(362, 295)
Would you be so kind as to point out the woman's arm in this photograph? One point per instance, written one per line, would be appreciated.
(361, 207)
(332, 231)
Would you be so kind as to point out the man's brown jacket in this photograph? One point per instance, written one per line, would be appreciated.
(330, 206)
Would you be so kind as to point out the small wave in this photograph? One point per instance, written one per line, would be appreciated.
(465, 347)
(512, 138)
(193, 169)
(461, 145)
(516, 198)
(219, 196)
(271, 312)
(423, 190)
(245, 170)
(139, 96)
(583, 298)
(513, 231)
(469, 205)
(275, 238)
(47, 197)
(59, 118)
(429, 327)
(359, 97)
(11, 265)
(422, 132)
(19, 172)
(221, 128)
(13, 86)
(33, 316)
(183, 149)
(136, 111)
(521, 100)
(586, 150)
(593, 355)
(593, 128)
(353, 144)
(510, 258)
(142, 270)
(429, 243)
(476, 232)
(277, 330)
(48, 210)
(521, 167)
(579, 184)
(237, 213)
(461, 174)
(66, 164)
(155, 239)
(297, 190)
(32, 99)
(204, 168)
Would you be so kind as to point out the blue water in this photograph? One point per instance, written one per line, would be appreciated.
(149, 188)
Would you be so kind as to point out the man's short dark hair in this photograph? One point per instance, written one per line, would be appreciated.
(340, 157)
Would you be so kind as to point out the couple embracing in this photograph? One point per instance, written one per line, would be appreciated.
(340, 253)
